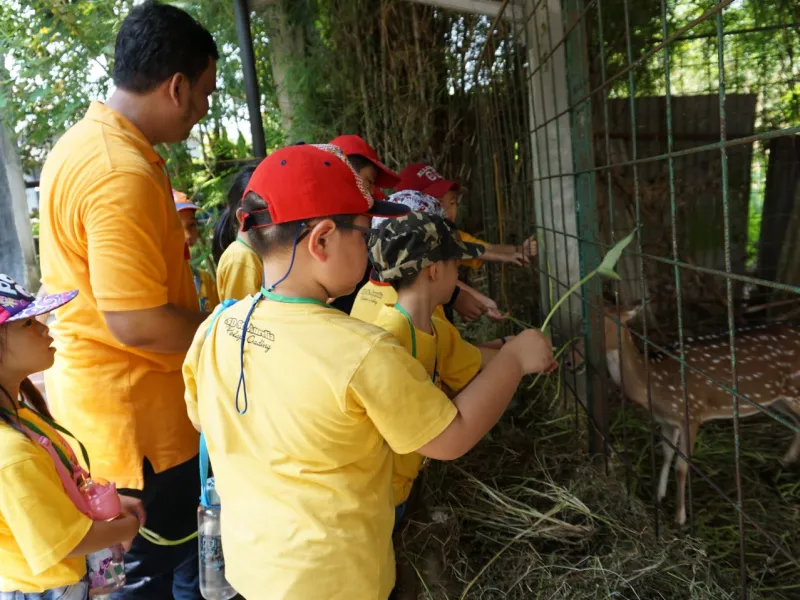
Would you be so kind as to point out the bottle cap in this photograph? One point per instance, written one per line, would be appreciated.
(211, 491)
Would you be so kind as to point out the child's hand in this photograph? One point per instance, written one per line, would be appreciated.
(495, 315)
(529, 248)
(133, 506)
(524, 252)
(130, 523)
(468, 306)
(517, 258)
(492, 311)
(533, 350)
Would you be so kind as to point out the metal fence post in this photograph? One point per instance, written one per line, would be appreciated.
(578, 86)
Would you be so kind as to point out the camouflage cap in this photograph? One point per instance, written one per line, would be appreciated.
(406, 245)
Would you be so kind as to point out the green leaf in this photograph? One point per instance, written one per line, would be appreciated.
(609, 263)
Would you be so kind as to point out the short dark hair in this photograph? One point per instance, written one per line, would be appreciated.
(274, 238)
(406, 281)
(155, 42)
(227, 227)
(358, 162)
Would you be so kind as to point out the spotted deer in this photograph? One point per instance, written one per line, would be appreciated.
(768, 369)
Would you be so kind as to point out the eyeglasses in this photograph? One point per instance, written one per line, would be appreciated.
(366, 232)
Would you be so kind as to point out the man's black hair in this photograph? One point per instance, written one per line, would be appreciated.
(155, 42)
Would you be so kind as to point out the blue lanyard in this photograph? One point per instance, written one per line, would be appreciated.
(413, 330)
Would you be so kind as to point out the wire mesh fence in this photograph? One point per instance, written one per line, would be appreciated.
(678, 119)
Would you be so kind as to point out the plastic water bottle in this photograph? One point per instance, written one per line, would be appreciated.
(105, 568)
(213, 585)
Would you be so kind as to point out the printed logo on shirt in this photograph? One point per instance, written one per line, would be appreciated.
(262, 338)
(372, 296)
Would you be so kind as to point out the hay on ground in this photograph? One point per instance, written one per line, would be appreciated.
(528, 515)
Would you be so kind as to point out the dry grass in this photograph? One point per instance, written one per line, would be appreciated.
(527, 515)
(771, 496)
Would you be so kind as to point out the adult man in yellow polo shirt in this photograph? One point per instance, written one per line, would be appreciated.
(109, 228)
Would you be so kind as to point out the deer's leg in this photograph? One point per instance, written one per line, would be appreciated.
(669, 433)
(790, 408)
(682, 470)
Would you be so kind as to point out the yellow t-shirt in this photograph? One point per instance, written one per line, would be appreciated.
(375, 294)
(109, 228)
(39, 524)
(305, 474)
(447, 358)
(240, 271)
(474, 263)
(206, 288)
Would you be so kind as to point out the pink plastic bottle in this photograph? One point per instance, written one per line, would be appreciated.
(105, 568)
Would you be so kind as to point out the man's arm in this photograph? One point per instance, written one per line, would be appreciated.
(166, 329)
(129, 231)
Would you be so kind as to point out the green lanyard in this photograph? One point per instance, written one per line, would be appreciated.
(413, 330)
(245, 244)
(291, 300)
(33, 427)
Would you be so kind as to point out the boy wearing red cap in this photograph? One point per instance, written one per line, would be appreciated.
(203, 280)
(300, 403)
(375, 175)
(424, 178)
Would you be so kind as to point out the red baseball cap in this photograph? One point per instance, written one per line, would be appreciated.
(424, 178)
(353, 144)
(308, 182)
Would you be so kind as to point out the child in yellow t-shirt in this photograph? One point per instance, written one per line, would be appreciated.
(302, 406)
(418, 256)
(203, 280)
(374, 293)
(375, 175)
(44, 538)
(424, 178)
(239, 268)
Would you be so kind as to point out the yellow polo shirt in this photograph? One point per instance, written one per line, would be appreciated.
(240, 271)
(474, 263)
(375, 294)
(446, 356)
(39, 524)
(305, 473)
(110, 229)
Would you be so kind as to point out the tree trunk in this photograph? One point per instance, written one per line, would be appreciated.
(17, 252)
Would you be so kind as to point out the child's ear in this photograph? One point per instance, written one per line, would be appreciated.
(434, 272)
(318, 239)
